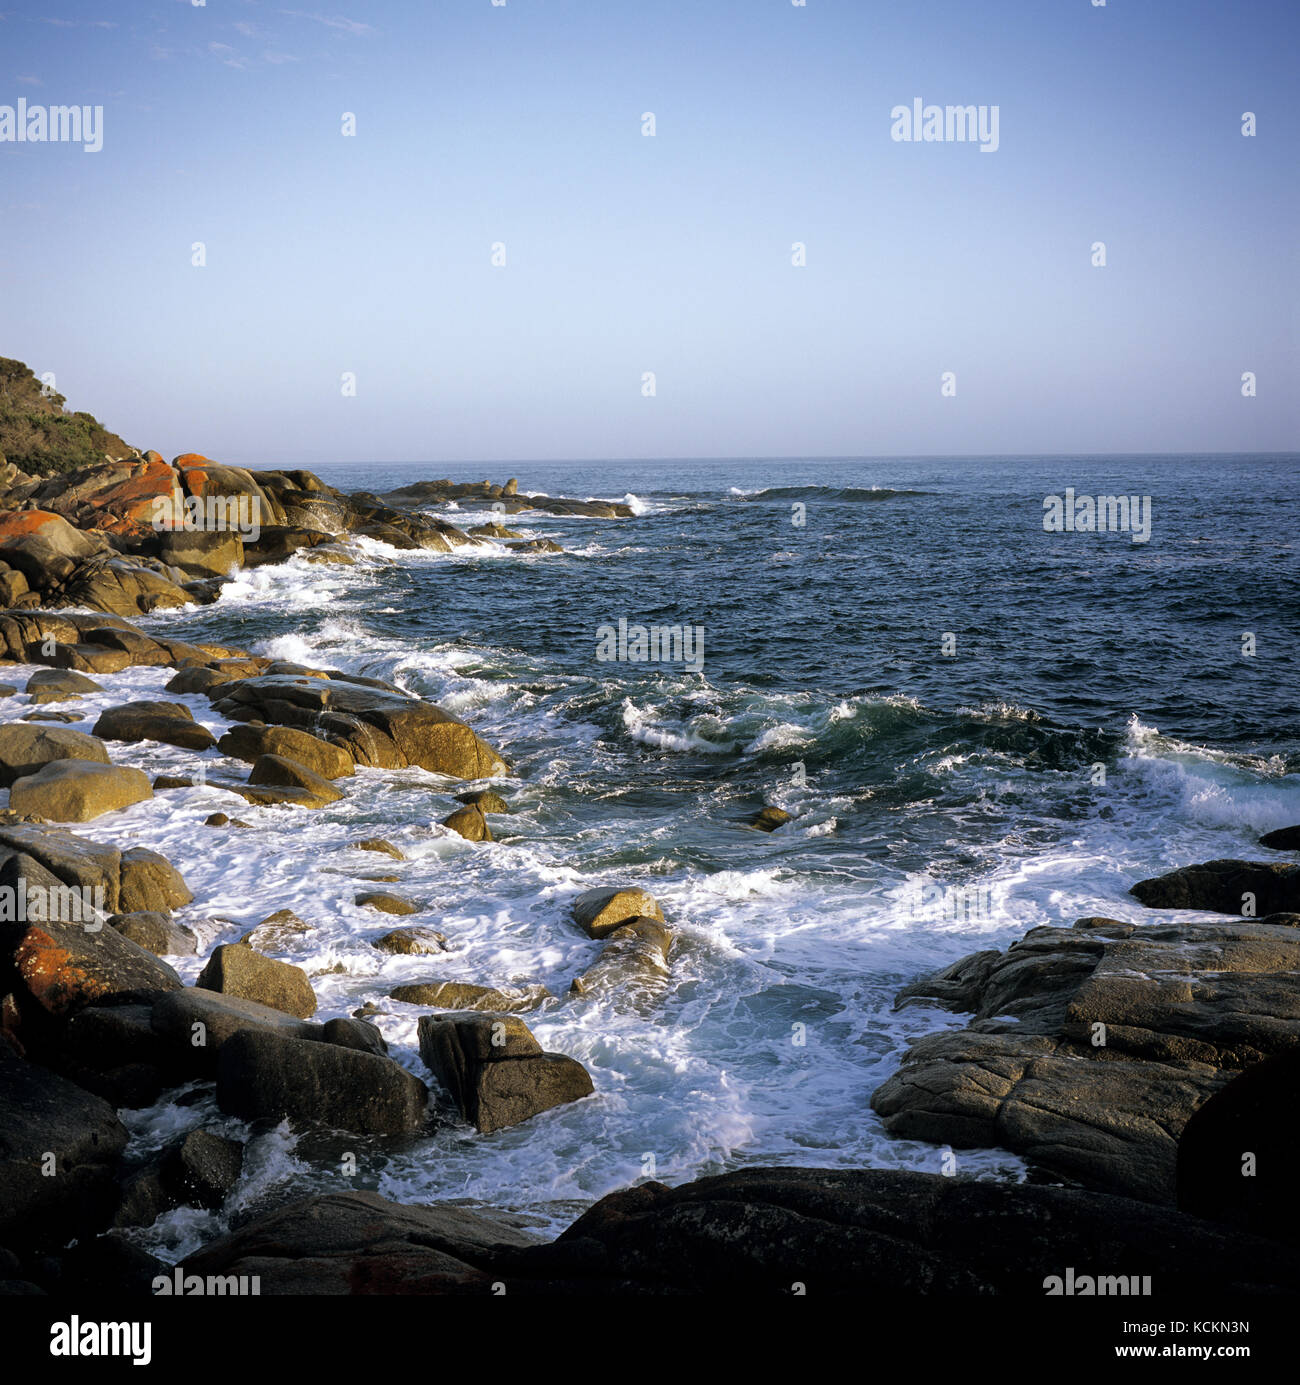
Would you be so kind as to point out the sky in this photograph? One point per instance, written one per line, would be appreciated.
(348, 308)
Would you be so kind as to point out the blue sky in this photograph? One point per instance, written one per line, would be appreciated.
(521, 124)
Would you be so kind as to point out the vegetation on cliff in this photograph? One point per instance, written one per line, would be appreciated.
(39, 436)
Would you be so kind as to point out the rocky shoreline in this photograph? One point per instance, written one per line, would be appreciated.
(1133, 1067)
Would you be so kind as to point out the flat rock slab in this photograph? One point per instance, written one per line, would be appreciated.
(1091, 1047)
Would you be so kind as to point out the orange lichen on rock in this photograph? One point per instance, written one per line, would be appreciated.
(53, 975)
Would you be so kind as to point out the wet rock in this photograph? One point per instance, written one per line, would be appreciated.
(379, 844)
(1091, 1047)
(195, 1024)
(1283, 839)
(535, 546)
(380, 728)
(768, 818)
(59, 685)
(150, 883)
(276, 932)
(485, 800)
(275, 770)
(171, 723)
(635, 956)
(1252, 888)
(412, 942)
(464, 995)
(201, 1169)
(386, 903)
(78, 791)
(494, 1069)
(470, 824)
(599, 912)
(251, 741)
(26, 748)
(197, 678)
(494, 531)
(44, 1115)
(236, 970)
(265, 1076)
(155, 932)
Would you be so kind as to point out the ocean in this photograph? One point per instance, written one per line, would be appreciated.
(977, 725)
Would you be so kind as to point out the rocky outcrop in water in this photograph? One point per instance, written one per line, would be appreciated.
(1091, 1047)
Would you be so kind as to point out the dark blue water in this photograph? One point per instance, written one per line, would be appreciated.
(1096, 721)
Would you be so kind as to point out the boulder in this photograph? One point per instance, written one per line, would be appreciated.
(276, 771)
(65, 962)
(155, 932)
(201, 1169)
(1254, 888)
(464, 995)
(768, 818)
(59, 685)
(354, 1033)
(195, 1024)
(195, 678)
(360, 1243)
(44, 547)
(381, 728)
(26, 748)
(266, 1076)
(599, 912)
(90, 866)
(78, 790)
(172, 723)
(412, 942)
(251, 741)
(1283, 839)
(201, 553)
(495, 1071)
(124, 587)
(239, 971)
(44, 1117)
(470, 824)
(150, 883)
